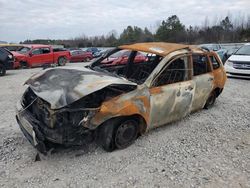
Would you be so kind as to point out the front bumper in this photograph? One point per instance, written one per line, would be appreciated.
(44, 138)
(30, 129)
(239, 73)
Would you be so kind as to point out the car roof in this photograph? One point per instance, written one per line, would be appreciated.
(159, 48)
(36, 45)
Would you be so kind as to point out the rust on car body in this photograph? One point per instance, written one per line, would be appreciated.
(110, 101)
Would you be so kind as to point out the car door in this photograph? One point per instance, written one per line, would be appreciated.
(34, 57)
(40, 56)
(203, 79)
(172, 92)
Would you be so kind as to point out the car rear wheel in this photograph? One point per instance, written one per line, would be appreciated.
(2, 70)
(210, 101)
(117, 134)
(62, 61)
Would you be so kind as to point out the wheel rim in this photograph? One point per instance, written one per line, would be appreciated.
(126, 134)
(62, 61)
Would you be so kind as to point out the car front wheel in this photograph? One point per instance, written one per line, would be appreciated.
(118, 134)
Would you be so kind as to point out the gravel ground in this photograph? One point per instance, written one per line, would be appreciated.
(210, 148)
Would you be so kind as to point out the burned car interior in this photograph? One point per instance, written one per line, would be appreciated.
(132, 69)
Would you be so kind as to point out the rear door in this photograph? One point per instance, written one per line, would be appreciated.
(172, 92)
(203, 78)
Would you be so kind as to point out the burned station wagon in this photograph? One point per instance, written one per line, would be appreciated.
(114, 104)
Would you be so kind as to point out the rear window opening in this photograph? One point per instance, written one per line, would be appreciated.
(135, 66)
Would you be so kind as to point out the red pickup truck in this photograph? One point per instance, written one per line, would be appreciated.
(39, 55)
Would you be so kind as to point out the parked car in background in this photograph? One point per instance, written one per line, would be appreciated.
(6, 61)
(116, 104)
(95, 51)
(218, 49)
(11, 47)
(121, 57)
(80, 56)
(238, 64)
(39, 55)
(231, 50)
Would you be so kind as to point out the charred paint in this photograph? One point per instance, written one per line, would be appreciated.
(62, 96)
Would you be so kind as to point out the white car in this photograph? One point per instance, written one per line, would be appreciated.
(238, 65)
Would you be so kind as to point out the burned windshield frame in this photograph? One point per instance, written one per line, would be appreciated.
(138, 72)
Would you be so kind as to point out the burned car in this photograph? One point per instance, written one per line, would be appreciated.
(115, 104)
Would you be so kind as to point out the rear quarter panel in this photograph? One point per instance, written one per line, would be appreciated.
(65, 54)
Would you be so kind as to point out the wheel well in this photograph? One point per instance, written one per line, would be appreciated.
(24, 64)
(218, 91)
(60, 57)
(140, 120)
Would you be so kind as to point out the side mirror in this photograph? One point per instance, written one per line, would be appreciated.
(30, 54)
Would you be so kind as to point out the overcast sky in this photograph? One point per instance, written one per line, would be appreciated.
(63, 19)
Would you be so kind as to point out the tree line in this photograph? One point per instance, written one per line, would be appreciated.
(169, 30)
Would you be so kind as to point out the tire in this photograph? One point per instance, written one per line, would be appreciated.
(210, 101)
(117, 134)
(2, 70)
(61, 61)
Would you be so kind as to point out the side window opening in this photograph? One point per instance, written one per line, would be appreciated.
(200, 65)
(142, 66)
(73, 53)
(36, 51)
(215, 63)
(45, 50)
(176, 71)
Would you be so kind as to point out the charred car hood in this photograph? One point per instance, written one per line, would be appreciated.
(63, 86)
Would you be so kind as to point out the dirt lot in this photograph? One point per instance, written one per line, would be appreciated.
(210, 148)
